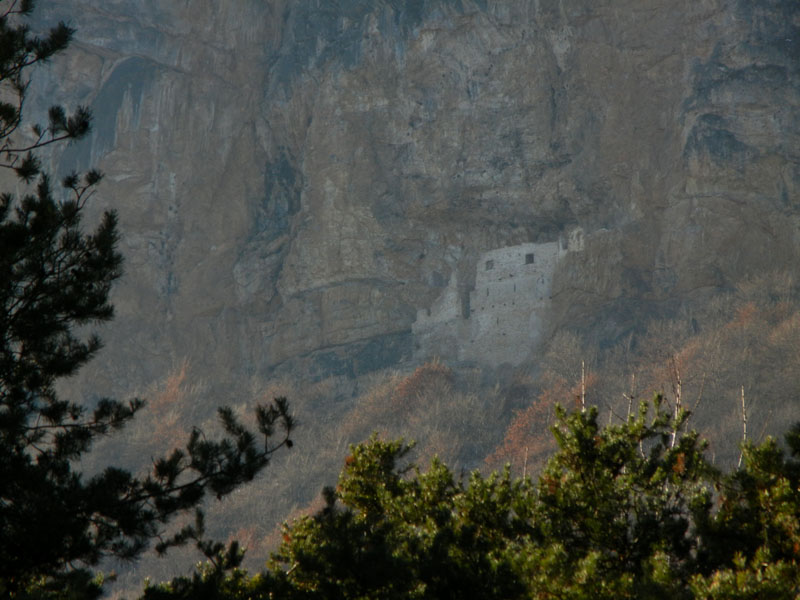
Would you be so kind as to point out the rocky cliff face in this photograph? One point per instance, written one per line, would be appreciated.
(296, 180)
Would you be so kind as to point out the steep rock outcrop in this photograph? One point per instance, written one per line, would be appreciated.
(296, 180)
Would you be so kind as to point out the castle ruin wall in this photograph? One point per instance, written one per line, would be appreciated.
(506, 307)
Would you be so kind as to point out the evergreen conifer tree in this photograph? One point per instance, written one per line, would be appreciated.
(55, 280)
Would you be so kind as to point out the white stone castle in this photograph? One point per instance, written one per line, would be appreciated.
(500, 320)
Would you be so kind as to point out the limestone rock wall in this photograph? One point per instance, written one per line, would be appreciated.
(296, 180)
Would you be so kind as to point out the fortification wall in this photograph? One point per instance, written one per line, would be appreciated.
(506, 307)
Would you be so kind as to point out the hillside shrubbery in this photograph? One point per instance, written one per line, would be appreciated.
(483, 420)
(629, 510)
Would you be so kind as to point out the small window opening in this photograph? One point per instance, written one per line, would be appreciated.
(489, 265)
(529, 259)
